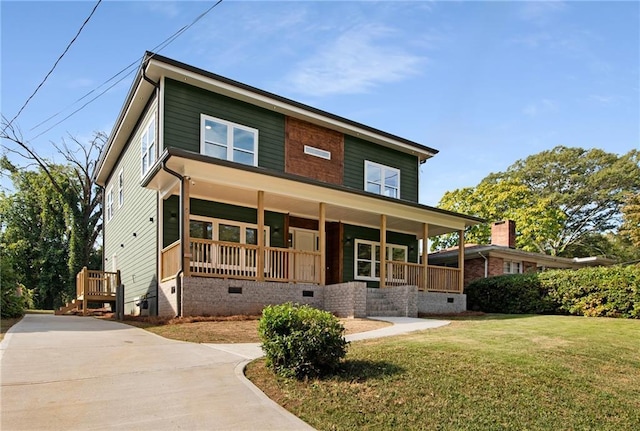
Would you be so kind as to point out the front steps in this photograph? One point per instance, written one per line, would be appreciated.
(379, 305)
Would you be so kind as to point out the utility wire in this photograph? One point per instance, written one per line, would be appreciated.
(54, 65)
(155, 49)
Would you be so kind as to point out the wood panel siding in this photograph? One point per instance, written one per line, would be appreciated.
(334, 253)
(351, 233)
(183, 104)
(356, 151)
(131, 234)
(300, 133)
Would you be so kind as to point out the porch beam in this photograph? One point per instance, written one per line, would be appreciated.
(260, 260)
(383, 250)
(186, 216)
(322, 238)
(461, 260)
(425, 256)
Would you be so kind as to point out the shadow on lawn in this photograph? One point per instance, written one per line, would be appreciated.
(476, 316)
(355, 370)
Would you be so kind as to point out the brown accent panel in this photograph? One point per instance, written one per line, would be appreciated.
(299, 133)
(303, 223)
(334, 253)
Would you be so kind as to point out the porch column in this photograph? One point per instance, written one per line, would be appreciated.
(425, 256)
(461, 260)
(383, 250)
(260, 260)
(186, 236)
(322, 238)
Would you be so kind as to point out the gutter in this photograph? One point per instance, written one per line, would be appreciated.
(181, 221)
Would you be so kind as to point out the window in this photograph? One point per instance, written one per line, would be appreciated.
(228, 141)
(381, 179)
(313, 151)
(148, 146)
(511, 267)
(120, 188)
(367, 258)
(109, 214)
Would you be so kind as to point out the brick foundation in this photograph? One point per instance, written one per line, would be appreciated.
(441, 303)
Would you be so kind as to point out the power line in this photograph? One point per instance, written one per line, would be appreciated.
(155, 49)
(54, 65)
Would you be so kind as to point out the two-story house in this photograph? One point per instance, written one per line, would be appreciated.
(220, 198)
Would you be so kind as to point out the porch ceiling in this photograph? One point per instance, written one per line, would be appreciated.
(212, 179)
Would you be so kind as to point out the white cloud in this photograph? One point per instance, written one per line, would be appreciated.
(540, 11)
(170, 9)
(354, 62)
(540, 107)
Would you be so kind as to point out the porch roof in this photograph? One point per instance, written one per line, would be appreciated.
(223, 181)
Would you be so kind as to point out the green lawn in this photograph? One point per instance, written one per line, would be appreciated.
(492, 372)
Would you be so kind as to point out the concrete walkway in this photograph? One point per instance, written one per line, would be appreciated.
(61, 372)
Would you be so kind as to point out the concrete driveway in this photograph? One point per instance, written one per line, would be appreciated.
(65, 373)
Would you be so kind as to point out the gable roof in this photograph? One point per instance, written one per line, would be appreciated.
(154, 67)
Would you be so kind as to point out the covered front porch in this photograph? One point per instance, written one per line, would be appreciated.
(329, 219)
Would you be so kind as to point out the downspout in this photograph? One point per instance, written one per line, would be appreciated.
(486, 263)
(181, 221)
(104, 267)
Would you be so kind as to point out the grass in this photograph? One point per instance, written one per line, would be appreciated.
(233, 329)
(492, 372)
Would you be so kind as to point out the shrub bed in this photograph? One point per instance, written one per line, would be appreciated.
(301, 341)
(602, 291)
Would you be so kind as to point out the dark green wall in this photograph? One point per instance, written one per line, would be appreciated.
(183, 104)
(351, 233)
(171, 231)
(356, 151)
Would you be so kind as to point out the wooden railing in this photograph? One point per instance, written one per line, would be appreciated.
(96, 283)
(440, 278)
(170, 261)
(288, 265)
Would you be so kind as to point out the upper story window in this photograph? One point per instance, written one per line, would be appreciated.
(109, 205)
(148, 146)
(121, 188)
(228, 141)
(367, 257)
(511, 267)
(381, 179)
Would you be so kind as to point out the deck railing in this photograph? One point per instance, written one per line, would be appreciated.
(91, 282)
(222, 259)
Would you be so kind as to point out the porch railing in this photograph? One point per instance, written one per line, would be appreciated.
(439, 278)
(170, 260)
(91, 283)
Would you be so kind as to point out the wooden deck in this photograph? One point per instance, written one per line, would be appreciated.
(92, 286)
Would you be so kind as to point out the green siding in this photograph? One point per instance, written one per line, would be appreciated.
(135, 255)
(171, 230)
(359, 232)
(183, 104)
(356, 151)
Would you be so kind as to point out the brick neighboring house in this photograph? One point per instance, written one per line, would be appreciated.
(502, 257)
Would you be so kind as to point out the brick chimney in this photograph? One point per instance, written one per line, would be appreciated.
(504, 233)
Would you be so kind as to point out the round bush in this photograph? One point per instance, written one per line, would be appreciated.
(301, 341)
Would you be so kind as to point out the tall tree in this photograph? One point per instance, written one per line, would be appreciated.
(631, 219)
(34, 239)
(559, 198)
(74, 187)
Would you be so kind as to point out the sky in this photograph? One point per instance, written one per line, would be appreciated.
(485, 83)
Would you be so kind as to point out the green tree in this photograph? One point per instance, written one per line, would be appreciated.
(560, 199)
(631, 219)
(34, 238)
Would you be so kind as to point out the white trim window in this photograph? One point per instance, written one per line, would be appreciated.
(317, 152)
(512, 267)
(367, 258)
(121, 188)
(228, 141)
(148, 147)
(382, 180)
(109, 205)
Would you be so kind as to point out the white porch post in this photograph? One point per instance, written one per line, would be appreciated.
(461, 261)
(186, 215)
(425, 256)
(260, 260)
(322, 236)
(383, 250)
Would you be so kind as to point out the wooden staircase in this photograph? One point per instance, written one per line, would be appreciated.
(92, 286)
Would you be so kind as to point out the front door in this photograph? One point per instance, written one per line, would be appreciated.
(304, 264)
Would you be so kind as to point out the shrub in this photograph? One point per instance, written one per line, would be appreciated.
(511, 294)
(301, 341)
(12, 305)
